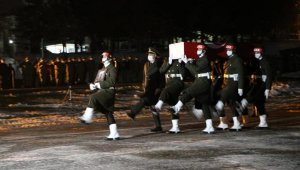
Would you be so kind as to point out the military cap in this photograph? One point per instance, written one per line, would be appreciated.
(201, 46)
(257, 50)
(153, 51)
(106, 54)
(230, 47)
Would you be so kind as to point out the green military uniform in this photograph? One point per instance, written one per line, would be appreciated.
(103, 100)
(153, 86)
(261, 80)
(174, 74)
(200, 89)
(234, 80)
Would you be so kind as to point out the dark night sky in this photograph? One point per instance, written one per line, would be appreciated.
(149, 18)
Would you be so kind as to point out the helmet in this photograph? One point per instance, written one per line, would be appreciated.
(106, 54)
(258, 50)
(230, 47)
(201, 46)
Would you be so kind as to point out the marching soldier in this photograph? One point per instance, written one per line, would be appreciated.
(260, 88)
(154, 82)
(174, 73)
(103, 100)
(201, 87)
(233, 90)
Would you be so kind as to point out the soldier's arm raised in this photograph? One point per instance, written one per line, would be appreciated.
(164, 68)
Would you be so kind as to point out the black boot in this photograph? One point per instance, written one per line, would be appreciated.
(131, 115)
(156, 119)
(136, 109)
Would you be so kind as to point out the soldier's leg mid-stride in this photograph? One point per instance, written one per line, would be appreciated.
(104, 97)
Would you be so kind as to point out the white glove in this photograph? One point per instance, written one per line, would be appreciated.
(219, 106)
(244, 103)
(267, 93)
(92, 86)
(97, 85)
(170, 60)
(184, 59)
(240, 91)
(190, 59)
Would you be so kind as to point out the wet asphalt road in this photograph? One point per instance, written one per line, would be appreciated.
(51, 138)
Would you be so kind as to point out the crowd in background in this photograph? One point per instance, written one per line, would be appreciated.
(62, 71)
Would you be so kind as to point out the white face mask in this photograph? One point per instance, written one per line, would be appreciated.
(200, 53)
(257, 55)
(229, 53)
(151, 58)
(104, 59)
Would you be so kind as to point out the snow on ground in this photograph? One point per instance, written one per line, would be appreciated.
(280, 88)
(47, 108)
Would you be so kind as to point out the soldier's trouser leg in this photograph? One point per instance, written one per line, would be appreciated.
(260, 108)
(245, 117)
(175, 116)
(185, 97)
(156, 119)
(93, 101)
(233, 106)
(157, 122)
(206, 111)
(110, 118)
(136, 109)
(262, 114)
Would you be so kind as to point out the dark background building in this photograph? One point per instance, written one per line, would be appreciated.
(130, 26)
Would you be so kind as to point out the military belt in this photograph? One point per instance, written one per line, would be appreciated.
(262, 77)
(174, 76)
(235, 77)
(208, 75)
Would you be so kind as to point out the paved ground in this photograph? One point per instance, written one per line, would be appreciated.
(54, 140)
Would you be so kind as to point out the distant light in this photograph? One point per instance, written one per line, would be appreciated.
(10, 41)
(59, 48)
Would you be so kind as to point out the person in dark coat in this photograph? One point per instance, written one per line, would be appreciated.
(233, 90)
(154, 83)
(259, 92)
(174, 73)
(201, 87)
(104, 98)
